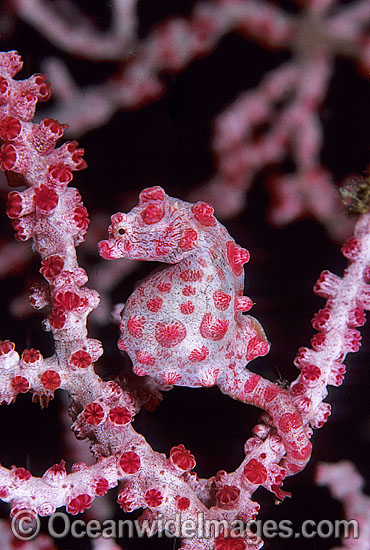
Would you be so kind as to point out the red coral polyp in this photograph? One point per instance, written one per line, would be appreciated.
(45, 199)
(8, 156)
(59, 175)
(255, 472)
(153, 498)
(67, 301)
(30, 356)
(50, 379)
(20, 384)
(79, 504)
(10, 128)
(356, 317)
(6, 346)
(351, 248)
(198, 354)
(81, 217)
(311, 374)
(187, 308)
(75, 155)
(57, 318)
(228, 496)
(94, 414)
(14, 205)
(51, 267)
(183, 503)
(352, 340)
(327, 284)
(45, 135)
(4, 86)
(120, 416)
(135, 325)
(21, 474)
(54, 127)
(321, 320)
(101, 486)
(221, 300)
(130, 462)
(289, 422)
(80, 359)
(40, 86)
(154, 304)
(182, 458)
(57, 471)
(230, 543)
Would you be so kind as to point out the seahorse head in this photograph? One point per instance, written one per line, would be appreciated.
(159, 228)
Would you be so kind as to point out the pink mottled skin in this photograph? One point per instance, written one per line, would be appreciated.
(184, 323)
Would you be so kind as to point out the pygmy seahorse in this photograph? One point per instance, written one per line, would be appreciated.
(184, 323)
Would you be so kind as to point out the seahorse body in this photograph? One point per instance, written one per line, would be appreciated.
(184, 323)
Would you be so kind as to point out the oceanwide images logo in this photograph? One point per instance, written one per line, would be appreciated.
(26, 526)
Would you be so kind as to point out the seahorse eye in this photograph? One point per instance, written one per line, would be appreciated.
(121, 231)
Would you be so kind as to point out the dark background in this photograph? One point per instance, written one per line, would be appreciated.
(167, 143)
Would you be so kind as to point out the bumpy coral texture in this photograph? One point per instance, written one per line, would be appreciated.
(184, 324)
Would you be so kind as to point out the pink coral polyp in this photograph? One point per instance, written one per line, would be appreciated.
(51, 266)
(228, 496)
(46, 199)
(120, 416)
(8, 156)
(10, 128)
(130, 462)
(20, 384)
(153, 498)
(79, 504)
(80, 359)
(182, 458)
(50, 379)
(255, 472)
(230, 543)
